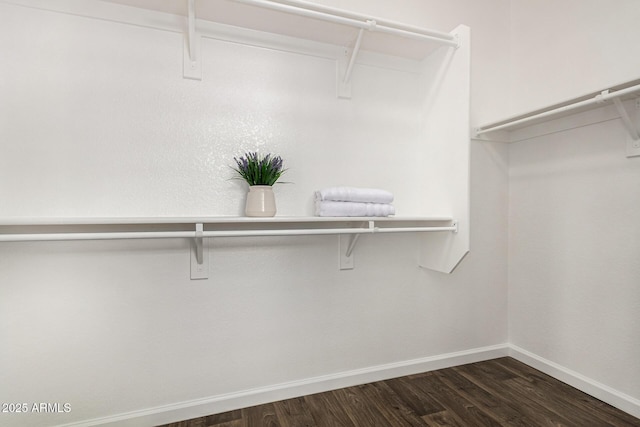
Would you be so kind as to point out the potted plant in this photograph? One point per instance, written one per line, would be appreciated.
(260, 172)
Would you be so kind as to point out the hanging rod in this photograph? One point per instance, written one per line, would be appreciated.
(27, 237)
(338, 16)
(600, 98)
(199, 257)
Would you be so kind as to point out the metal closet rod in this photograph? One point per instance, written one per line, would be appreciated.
(219, 233)
(338, 16)
(600, 98)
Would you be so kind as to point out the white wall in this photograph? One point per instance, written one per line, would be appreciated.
(97, 120)
(574, 245)
(564, 49)
(574, 238)
(490, 31)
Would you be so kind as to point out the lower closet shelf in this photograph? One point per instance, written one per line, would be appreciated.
(347, 228)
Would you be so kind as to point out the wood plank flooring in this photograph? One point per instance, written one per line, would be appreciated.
(499, 392)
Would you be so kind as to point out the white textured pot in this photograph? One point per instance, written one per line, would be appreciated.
(260, 201)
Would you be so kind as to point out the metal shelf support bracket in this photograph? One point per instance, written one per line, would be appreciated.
(192, 68)
(626, 120)
(199, 242)
(347, 244)
(199, 255)
(346, 68)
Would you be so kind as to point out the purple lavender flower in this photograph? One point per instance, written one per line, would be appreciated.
(259, 170)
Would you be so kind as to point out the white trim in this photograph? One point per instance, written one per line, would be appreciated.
(598, 390)
(242, 399)
(245, 398)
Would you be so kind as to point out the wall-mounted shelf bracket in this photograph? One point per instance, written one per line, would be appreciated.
(626, 120)
(347, 245)
(199, 242)
(199, 255)
(346, 68)
(633, 137)
(192, 67)
(343, 90)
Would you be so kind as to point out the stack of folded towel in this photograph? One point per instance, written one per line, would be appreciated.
(351, 201)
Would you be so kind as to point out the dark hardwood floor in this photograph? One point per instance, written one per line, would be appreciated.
(499, 392)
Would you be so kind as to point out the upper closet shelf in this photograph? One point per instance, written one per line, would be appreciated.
(296, 25)
(351, 19)
(592, 101)
(306, 20)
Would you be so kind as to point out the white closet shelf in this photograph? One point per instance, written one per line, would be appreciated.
(293, 19)
(616, 94)
(302, 20)
(219, 220)
(305, 9)
(313, 22)
(25, 229)
(56, 229)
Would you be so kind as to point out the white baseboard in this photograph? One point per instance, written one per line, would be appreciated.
(600, 391)
(242, 399)
(227, 402)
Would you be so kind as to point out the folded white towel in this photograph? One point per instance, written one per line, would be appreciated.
(331, 208)
(354, 194)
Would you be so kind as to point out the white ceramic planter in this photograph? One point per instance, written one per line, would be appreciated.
(261, 201)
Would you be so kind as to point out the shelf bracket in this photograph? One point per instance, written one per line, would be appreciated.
(347, 245)
(633, 137)
(192, 67)
(199, 256)
(346, 68)
(626, 120)
(199, 242)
